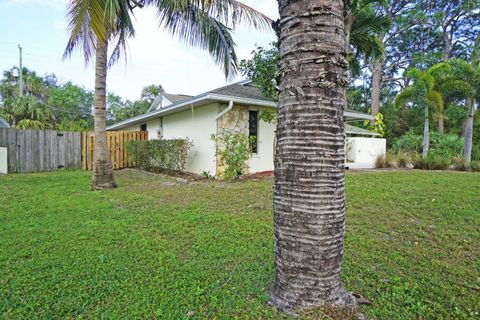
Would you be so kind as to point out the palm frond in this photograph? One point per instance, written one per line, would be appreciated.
(198, 29)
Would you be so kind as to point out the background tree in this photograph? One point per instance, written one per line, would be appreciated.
(424, 93)
(309, 190)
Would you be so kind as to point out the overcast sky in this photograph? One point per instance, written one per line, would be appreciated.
(39, 26)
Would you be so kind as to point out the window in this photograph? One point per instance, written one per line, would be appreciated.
(253, 129)
(143, 127)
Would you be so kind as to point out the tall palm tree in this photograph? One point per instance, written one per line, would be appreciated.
(464, 84)
(95, 24)
(424, 92)
(309, 190)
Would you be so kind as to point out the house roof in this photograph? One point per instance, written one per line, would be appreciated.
(349, 129)
(174, 98)
(243, 92)
(4, 123)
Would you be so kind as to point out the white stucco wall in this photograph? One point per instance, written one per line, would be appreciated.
(198, 126)
(3, 161)
(152, 128)
(363, 152)
(263, 159)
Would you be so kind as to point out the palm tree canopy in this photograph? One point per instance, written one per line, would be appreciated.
(368, 23)
(206, 24)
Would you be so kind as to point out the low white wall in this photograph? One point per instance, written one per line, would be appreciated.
(363, 152)
(3, 161)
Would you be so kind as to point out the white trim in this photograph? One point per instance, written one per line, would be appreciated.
(176, 107)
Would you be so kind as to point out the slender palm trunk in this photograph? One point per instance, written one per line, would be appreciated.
(468, 139)
(309, 190)
(376, 88)
(426, 134)
(441, 126)
(102, 170)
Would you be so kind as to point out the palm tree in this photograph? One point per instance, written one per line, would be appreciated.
(424, 92)
(464, 84)
(363, 25)
(309, 190)
(95, 24)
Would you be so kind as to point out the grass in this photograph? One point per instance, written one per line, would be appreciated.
(159, 249)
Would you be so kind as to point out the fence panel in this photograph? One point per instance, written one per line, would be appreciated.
(116, 141)
(41, 150)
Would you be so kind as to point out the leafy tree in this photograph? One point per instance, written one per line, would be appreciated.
(27, 112)
(70, 104)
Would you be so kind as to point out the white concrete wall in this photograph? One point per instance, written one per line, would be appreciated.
(198, 126)
(363, 152)
(3, 161)
(263, 159)
(152, 128)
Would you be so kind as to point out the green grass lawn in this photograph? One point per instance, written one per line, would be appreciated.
(156, 248)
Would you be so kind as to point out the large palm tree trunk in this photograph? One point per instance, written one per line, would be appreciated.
(309, 191)
(468, 139)
(102, 170)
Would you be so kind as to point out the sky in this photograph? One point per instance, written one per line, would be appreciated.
(153, 57)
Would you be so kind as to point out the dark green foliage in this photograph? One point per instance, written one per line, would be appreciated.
(169, 155)
(158, 249)
(262, 69)
(446, 145)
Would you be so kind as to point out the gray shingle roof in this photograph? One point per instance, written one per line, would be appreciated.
(241, 89)
(174, 98)
(359, 131)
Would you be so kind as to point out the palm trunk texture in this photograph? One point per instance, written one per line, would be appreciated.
(467, 147)
(309, 190)
(102, 169)
(376, 88)
(426, 135)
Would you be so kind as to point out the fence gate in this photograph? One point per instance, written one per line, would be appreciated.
(41, 150)
(116, 141)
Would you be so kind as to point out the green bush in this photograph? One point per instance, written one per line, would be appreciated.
(432, 162)
(475, 166)
(234, 150)
(446, 145)
(170, 155)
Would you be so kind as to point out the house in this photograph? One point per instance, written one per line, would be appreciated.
(234, 108)
(4, 123)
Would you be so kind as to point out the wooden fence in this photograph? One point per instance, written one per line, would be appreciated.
(48, 150)
(116, 141)
(41, 150)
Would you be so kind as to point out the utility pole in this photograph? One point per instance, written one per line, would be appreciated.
(20, 82)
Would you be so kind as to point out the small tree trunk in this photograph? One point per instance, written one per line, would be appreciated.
(309, 190)
(102, 170)
(441, 127)
(468, 139)
(376, 88)
(426, 134)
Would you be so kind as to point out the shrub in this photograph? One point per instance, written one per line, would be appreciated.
(447, 145)
(170, 155)
(432, 162)
(386, 161)
(233, 149)
(475, 166)
(460, 164)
